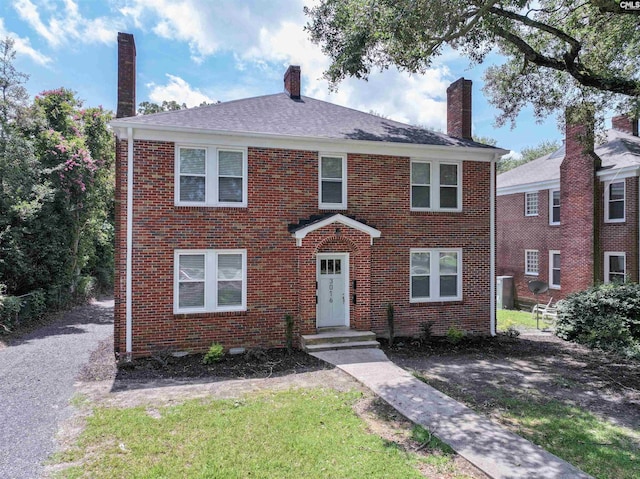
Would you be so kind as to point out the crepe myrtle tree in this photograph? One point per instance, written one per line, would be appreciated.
(555, 53)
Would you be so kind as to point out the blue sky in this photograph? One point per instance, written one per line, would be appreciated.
(196, 50)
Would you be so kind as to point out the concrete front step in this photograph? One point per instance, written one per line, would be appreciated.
(316, 348)
(339, 338)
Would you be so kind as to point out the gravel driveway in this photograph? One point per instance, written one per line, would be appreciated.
(37, 375)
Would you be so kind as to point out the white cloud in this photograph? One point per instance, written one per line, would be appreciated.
(66, 24)
(23, 46)
(179, 90)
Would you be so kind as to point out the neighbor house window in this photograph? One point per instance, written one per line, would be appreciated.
(531, 262)
(210, 176)
(614, 267)
(554, 269)
(531, 204)
(210, 281)
(614, 201)
(332, 182)
(436, 186)
(435, 275)
(554, 207)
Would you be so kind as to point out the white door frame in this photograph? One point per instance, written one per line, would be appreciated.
(347, 303)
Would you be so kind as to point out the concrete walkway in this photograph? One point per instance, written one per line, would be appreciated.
(491, 448)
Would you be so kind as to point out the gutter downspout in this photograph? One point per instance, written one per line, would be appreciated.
(492, 247)
(129, 321)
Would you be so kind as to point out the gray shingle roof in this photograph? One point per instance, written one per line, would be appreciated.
(278, 114)
(619, 151)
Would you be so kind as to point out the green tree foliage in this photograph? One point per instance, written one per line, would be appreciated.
(149, 108)
(56, 187)
(528, 153)
(557, 52)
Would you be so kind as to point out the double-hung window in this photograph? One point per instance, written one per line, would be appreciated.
(614, 193)
(531, 262)
(436, 186)
(210, 281)
(554, 269)
(554, 207)
(531, 203)
(614, 267)
(435, 275)
(211, 176)
(332, 182)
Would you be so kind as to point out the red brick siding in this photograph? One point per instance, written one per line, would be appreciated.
(283, 188)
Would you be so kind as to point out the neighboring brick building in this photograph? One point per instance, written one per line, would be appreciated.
(231, 216)
(570, 218)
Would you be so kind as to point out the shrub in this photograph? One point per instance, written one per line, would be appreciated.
(9, 310)
(426, 332)
(605, 317)
(455, 335)
(215, 354)
(510, 329)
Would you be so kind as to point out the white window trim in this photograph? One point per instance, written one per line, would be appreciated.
(333, 206)
(434, 185)
(526, 262)
(607, 186)
(210, 281)
(526, 203)
(607, 256)
(211, 177)
(551, 284)
(434, 279)
(551, 192)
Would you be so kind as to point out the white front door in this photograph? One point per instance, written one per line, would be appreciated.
(333, 290)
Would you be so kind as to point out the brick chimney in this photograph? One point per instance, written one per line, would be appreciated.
(625, 124)
(292, 81)
(126, 75)
(459, 109)
(578, 201)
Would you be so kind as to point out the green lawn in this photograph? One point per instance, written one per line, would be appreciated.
(517, 319)
(293, 434)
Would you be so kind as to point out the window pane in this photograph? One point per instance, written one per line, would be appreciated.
(338, 266)
(448, 174)
(331, 192)
(191, 295)
(230, 266)
(192, 161)
(420, 173)
(616, 210)
(556, 261)
(230, 163)
(556, 198)
(555, 276)
(330, 266)
(192, 188)
(331, 167)
(420, 287)
(191, 267)
(421, 196)
(616, 264)
(420, 263)
(448, 197)
(229, 293)
(230, 190)
(448, 263)
(556, 214)
(448, 286)
(616, 191)
(323, 266)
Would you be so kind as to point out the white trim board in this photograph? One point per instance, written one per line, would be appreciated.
(337, 218)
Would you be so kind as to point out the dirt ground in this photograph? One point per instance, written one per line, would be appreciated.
(540, 363)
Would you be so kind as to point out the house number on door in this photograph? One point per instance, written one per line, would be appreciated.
(331, 290)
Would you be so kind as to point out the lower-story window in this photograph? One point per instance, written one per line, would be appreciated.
(554, 269)
(210, 281)
(614, 267)
(435, 274)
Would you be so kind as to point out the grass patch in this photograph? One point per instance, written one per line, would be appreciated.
(594, 445)
(292, 434)
(518, 319)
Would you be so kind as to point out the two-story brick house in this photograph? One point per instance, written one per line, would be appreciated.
(232, 216)
(570, 218)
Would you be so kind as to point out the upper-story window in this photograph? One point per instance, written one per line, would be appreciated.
(332, 182)
(436, 186)
(210, 176)
(531, 203)
(554, 207)
(614, 202)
